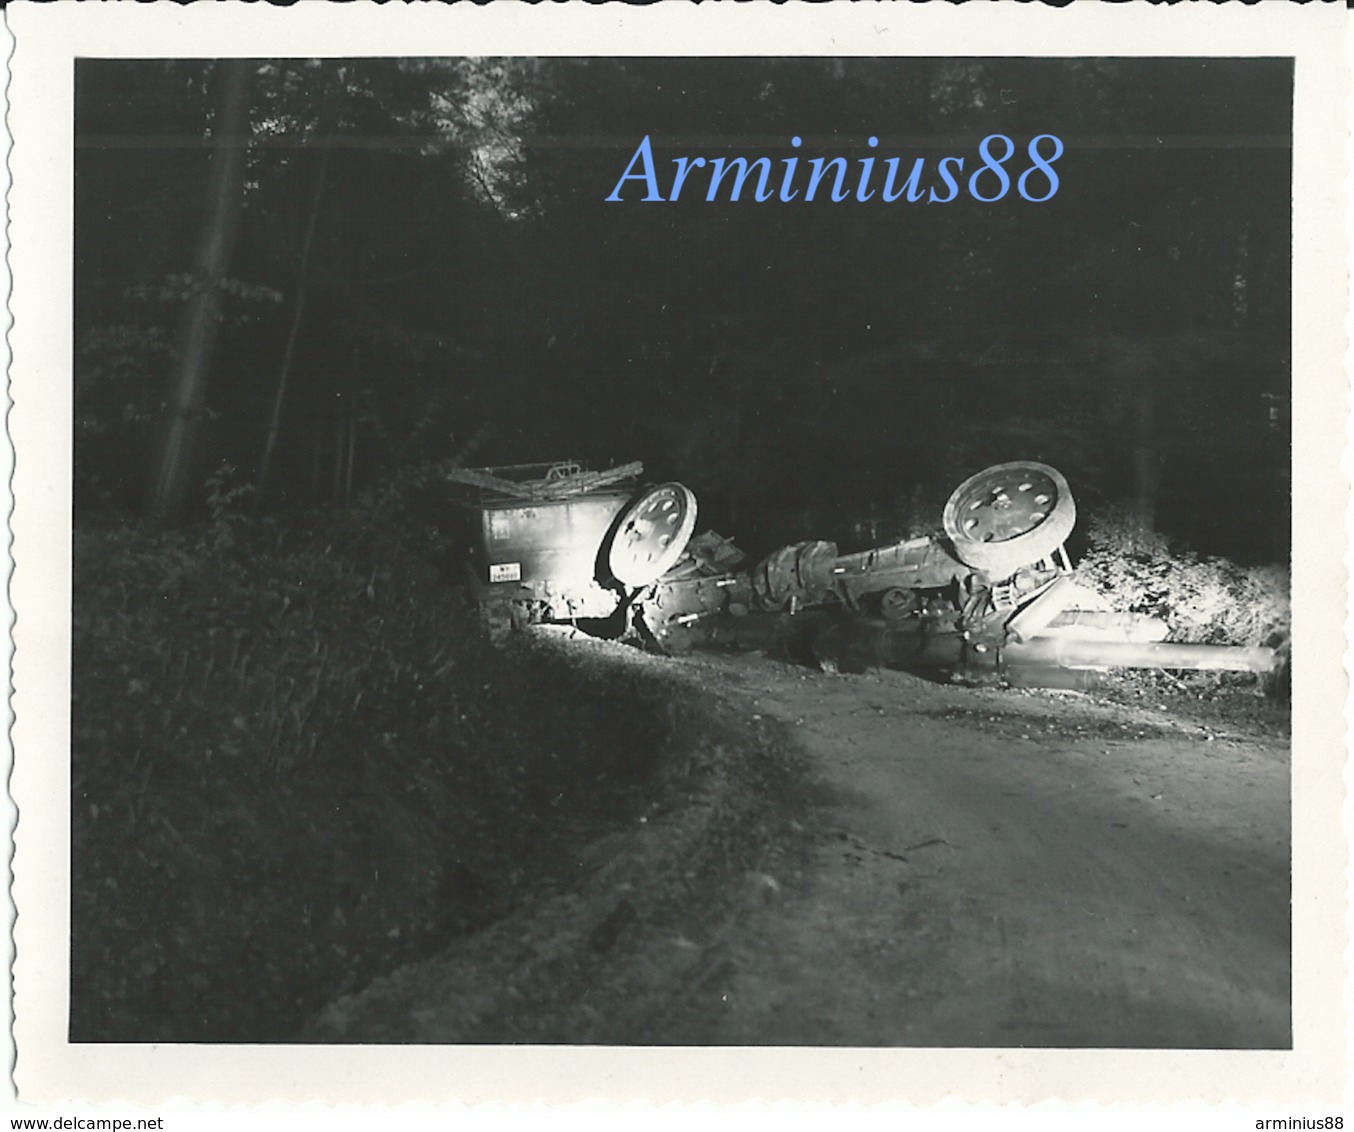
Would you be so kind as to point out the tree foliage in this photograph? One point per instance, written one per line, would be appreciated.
(463, 268)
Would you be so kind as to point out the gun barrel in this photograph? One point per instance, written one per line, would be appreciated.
(1071, 653)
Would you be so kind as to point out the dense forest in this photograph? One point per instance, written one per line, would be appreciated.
(319, 273)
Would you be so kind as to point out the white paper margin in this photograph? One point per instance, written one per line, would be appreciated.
(50, 37)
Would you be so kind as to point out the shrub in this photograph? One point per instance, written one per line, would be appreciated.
(1203, 600)
(296, 764)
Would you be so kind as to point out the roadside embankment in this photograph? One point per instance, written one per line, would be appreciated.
(296, 767)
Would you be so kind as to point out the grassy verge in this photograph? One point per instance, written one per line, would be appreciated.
(295, 766)
(617, 955)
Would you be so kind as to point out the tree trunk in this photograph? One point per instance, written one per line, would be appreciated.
(187, 390)
(1146, 457)
(351, 455)
(284, 376)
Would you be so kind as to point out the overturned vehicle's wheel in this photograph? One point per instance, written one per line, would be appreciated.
(1008, 516)
(652, 534)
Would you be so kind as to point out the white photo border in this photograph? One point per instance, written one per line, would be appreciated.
(49, 37)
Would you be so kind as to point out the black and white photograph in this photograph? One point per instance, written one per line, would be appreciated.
(661, 548)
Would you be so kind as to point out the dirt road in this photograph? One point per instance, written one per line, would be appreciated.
(972, 867)
(1005, 869)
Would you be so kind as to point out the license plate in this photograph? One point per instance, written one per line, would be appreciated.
(505, 572)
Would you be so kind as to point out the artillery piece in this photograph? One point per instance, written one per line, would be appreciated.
(994, 599)
(1005, 528)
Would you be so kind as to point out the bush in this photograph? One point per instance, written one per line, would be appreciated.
(1203, 600)
(295, 764)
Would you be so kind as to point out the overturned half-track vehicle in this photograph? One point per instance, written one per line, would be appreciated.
(555, 543)
(995, 598)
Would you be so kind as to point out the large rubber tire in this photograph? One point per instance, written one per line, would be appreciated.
(652, 534)
(1008, 516)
